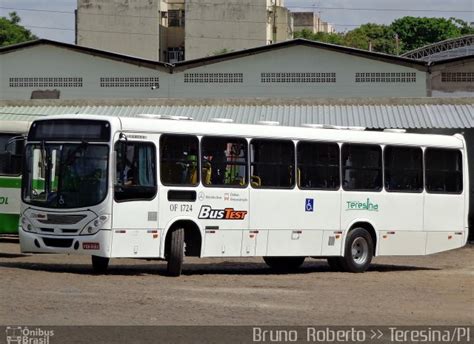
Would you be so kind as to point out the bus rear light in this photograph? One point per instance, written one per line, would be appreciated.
(450, 237)
(337, 236)
(154, 231)
(391, 233)
(385, 236)
(121, 231)
(458, 233)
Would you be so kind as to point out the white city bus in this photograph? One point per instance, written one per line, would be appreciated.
(158, 188)
(12, 135)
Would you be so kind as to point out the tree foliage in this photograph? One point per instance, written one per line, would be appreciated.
(11, 32)
(401, 35)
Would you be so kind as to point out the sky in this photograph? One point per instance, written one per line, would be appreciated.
(345, 14)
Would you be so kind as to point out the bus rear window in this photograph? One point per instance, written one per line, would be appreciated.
(443, 170)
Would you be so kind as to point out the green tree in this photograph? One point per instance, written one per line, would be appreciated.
(416, 32)
(11, 32)
(402, 35)
(380, 38)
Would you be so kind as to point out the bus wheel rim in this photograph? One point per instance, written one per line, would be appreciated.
(360, 250)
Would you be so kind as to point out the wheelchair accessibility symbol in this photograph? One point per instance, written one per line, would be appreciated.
(309, 204)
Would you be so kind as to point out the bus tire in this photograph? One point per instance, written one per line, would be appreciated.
(335, 264)
(358, 252)
(176, 252)
(100, 264)
(284, 264)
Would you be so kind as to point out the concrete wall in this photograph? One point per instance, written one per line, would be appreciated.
(125, 26)
(239, 78)
(446, 80)
(214, 25)
(299, 59)
(52, 62)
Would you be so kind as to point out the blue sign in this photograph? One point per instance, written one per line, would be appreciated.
(309, 204)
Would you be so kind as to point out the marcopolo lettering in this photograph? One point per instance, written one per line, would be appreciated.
(206, 212)
(367, 205)
(3, 200)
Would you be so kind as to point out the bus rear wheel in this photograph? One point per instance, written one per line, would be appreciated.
(284, 264)
(100, 264)
(176, 252)
(358, 252)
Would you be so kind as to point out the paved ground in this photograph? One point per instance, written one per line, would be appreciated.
(61, 290)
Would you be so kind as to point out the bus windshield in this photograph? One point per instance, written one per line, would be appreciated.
(65, 175)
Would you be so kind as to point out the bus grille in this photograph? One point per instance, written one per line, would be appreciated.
(58, 219)
(57, 242)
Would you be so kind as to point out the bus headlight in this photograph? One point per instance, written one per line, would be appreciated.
(95, 225)
(26, 225)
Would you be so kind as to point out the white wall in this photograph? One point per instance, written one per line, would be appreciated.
(299, 59)
(125, 26)
(50, 61)
(214, 25)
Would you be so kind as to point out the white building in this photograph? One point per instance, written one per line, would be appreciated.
(216, 26)
(311, 21)
(291, 69)
(122, 26)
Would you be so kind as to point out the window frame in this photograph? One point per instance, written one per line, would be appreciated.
(343, 167)
(422, 169)
(198, 160)
(246, 164)
(292, 187)
(426, 171)
(22, 155)
(146, 143)
(338, 162)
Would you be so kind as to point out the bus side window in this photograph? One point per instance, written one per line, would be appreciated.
(11, 154)
(179, 160)
(224, 161)
(136, 171)
(272, 163)
(362, 167)
(403, 169)
(318, 165)
(443, 170)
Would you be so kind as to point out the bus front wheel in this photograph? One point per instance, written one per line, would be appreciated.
(284, 264)
(358, 252)
(176, 252)
(100, 264)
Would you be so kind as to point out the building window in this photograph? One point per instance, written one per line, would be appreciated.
(457, 77)
(362, 167)
(176, 18)
(179, 160)
(217, 78)
(318, 165)
(46, 82)
(443, 170)
(297, 77)
(272, 164)
(224, 161)
(140, 81)
(403, 169)
(381, 77)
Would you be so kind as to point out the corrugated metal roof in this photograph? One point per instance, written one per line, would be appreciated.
(369, 116)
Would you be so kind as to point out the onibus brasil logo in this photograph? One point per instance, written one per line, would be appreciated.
(25, 335)
(358, 205)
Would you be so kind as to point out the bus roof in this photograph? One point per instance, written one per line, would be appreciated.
(182, 126)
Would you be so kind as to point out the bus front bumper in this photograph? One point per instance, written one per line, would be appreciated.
(98, 244)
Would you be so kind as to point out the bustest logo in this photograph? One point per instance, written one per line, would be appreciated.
(206, 212)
